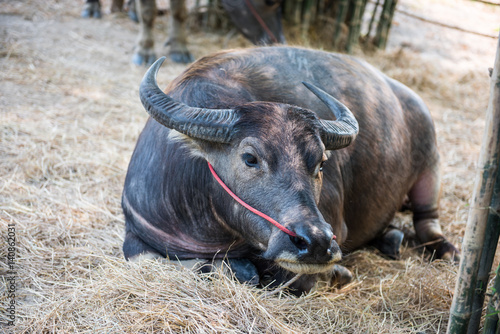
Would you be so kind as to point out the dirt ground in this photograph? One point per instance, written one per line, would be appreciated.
(70, 116)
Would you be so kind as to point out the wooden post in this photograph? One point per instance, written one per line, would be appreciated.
(460, 312)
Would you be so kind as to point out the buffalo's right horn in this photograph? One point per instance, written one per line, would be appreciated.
(214, 125)
(341, 132)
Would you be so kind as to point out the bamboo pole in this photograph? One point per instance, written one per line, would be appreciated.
(361, 15)
(298, 11)
(491, 319)
(288, 9)
(392, 9)
(352, 38)
(212, 16)
(488, 254)
(321, 7)
(370, 25)
(476, 224)
(384, 16)
(341, 14)
(384, 23)
(307, 13)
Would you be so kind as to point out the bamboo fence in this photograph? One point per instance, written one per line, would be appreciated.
(477, 250)
(339, 24)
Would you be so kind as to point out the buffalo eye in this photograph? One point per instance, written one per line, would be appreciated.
(250, 160)
(321, 166)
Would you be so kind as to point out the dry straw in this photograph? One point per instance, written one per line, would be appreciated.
(69, 119)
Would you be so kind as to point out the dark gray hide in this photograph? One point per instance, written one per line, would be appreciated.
(248, 114)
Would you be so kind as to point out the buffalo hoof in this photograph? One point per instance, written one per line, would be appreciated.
(178, 52)
(446, 251)
(242, 269)
(337, 277)
(390, 242)
(92, 9)
(145, 256)
(181, 57)
(144, 59)
(133, 15)
(340, 276)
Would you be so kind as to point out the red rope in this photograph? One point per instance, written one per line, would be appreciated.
(257, 212)
(261, 21)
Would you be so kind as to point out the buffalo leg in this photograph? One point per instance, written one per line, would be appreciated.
(389, 243)
(177, 42)
(424, 197)
(116, 6)
(92, 8)
(132, 11)
(272, 277)
(144, 52)
(135, 249)
(242, 269)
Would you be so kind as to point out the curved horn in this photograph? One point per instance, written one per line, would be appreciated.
(341, 132)
(208, 124)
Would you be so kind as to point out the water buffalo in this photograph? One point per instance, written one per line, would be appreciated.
(258, 20)
(290, 150)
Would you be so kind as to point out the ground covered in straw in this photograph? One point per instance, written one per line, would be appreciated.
(69, 119)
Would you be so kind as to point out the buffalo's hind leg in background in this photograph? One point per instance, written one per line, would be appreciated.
(177, 41)
(144, 53)
(424, 198)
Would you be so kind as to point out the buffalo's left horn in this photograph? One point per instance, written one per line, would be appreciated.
(341, 132)
(214, 125)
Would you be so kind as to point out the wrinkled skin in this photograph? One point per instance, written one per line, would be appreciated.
(174, 207)
(176, 45)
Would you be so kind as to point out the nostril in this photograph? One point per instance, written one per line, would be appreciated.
(299, 242)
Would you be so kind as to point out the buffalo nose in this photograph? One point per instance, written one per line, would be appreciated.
(314, 245)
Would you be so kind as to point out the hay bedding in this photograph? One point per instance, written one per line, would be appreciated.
(70, 117)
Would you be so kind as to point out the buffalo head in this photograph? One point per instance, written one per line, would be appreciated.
(271, 155)
(258, 20)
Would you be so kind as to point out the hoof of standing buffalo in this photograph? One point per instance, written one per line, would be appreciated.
(91, 9)
(133, 15)
(181, 57)
(141, 59)
(178, 52)
(390, 242)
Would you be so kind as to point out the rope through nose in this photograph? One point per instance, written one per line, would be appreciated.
(239, 200)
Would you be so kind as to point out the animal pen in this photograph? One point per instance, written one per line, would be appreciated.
(70, 115)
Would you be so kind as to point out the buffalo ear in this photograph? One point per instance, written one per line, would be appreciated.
(196, 147)
(341, 132)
